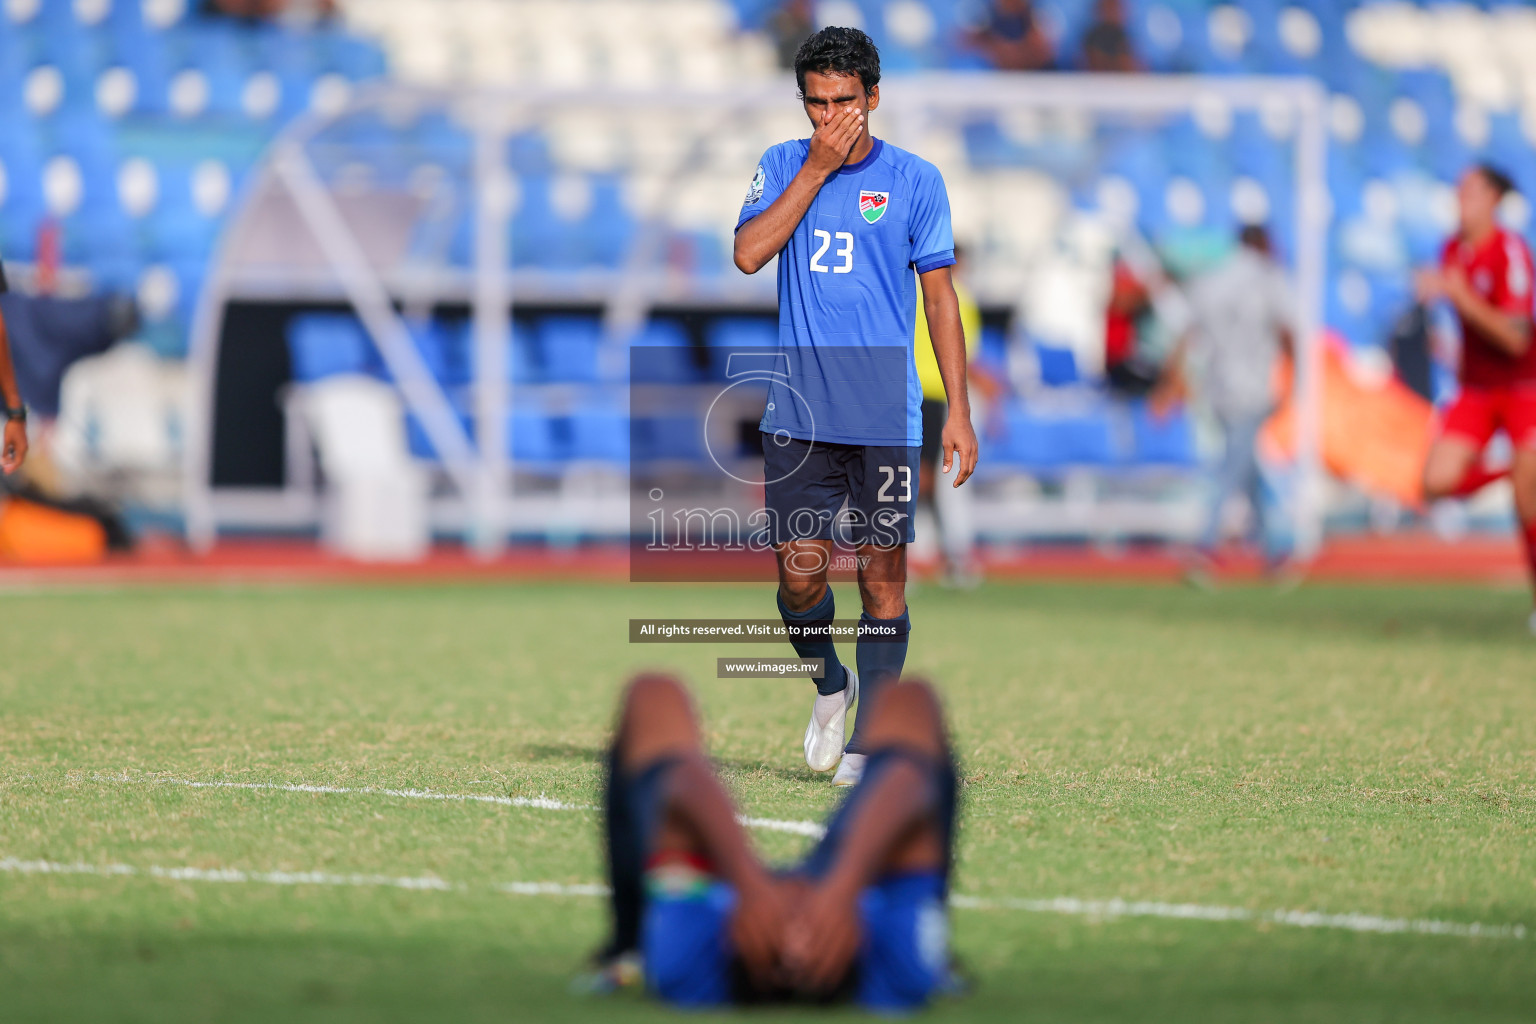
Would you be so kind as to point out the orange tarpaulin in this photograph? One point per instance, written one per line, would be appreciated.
(1374, 435)
(36, 534)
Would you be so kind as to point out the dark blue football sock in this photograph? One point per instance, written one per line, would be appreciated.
(881, 652)
(835, 679)
(625, 860)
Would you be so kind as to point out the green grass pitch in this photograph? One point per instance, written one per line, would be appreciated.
(1340, 749)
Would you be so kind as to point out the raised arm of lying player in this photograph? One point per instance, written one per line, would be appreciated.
(897, 810)
(697, 802)
(942, 308)
(764, 236)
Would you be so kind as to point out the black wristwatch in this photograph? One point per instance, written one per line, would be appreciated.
(18, 414)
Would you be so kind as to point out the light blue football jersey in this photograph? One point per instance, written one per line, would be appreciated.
(848, 294)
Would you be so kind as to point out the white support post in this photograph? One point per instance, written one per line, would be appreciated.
(492, 338)
(371, 299)
(1311, 268)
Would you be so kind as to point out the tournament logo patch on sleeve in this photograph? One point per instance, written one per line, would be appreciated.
(759, 182)
(872, 205)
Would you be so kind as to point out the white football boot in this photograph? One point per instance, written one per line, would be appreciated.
(824, 740)
(850, 771)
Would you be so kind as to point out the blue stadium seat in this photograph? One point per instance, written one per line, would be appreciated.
(743, 332)
(706, 253)
(222, 53)
(288, 52)
(356, 58)
(662, 354)
(448, 348)
(1162, 441)
(667, 438)
(325, 344)
(539, 237)
(102, 236)
(1391, 297)
(421, 446)
(524, 364)
(1157, 50)
(994, 346)
(568, 347)
(1254, 152)
(1354, 325)
(444, 347)
(734, 334)
(1042, 440)
(609, 229)
(528, 154)
(1058, 366)
(532, 437)
(599, 433)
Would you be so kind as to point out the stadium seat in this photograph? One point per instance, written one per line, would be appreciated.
(568, 347)
(445, 349)
(743, 332)
(599, 433)
(1058, 366)
(736, 333)
(540, 238)
(663, 354)
(608, 229)
(115, 67)
(532, 437)
(325, 344)
(1162, 441)
(1056, 440)
(667, 439)
(421, 446)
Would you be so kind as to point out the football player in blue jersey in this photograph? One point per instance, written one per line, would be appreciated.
(856, 223)
(862, 918)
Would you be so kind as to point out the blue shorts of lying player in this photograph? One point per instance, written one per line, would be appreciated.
(861, 919)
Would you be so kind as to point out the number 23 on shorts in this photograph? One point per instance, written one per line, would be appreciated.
(890, 472)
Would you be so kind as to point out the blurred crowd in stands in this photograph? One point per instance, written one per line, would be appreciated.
(1009, 35)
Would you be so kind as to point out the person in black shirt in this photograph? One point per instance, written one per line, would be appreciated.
(1107, 44)
(13, 447)
(791, 24)
(1011, 38)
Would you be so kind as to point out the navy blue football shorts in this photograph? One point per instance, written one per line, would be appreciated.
(806, 484)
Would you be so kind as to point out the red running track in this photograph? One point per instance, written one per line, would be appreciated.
(160, 560)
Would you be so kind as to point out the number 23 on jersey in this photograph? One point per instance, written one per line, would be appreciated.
(843, 252)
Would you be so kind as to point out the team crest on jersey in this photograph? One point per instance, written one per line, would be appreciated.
(755, 192)
(872, 205)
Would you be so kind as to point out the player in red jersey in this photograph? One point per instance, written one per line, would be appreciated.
(1485, 274)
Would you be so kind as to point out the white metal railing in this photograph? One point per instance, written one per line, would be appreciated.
(485, 502)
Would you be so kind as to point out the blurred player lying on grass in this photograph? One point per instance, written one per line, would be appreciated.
(862, 918)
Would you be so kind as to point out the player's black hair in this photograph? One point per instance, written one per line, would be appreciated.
(1502, 183)
(839, 51)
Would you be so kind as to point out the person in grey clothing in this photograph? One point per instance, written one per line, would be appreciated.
(1242, 323)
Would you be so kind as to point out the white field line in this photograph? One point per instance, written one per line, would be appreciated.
(1201, 912)
(800, 828)
(186, 874)
(1060, 905)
